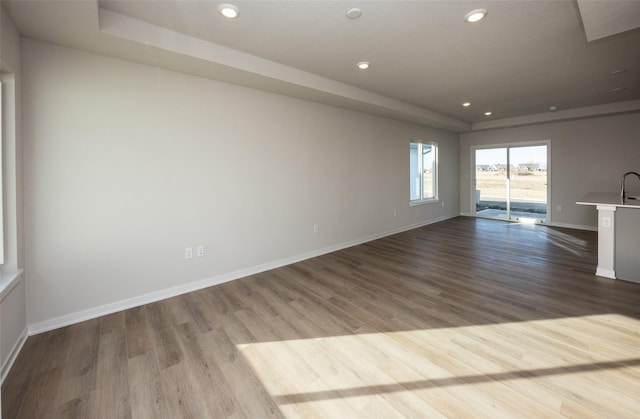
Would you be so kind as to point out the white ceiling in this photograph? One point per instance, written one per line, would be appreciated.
(603, 18)
(425, 60)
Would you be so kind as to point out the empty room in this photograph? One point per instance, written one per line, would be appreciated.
(320, 209)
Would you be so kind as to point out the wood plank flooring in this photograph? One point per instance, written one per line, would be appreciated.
(464, 318)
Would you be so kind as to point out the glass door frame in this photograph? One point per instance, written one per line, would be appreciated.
(507, 146)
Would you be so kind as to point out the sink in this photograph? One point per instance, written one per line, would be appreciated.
(623, 195)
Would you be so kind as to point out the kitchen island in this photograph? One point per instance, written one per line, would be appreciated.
(618, 235)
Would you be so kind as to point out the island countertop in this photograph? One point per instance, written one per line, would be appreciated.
(608, 198)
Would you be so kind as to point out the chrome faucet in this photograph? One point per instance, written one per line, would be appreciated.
(623, 193)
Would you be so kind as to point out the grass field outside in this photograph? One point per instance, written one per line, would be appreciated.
(528, 191)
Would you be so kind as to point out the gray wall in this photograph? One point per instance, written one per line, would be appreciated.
(127, 165)
(587, 155)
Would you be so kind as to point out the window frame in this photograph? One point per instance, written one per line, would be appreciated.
(422, 200)
(4, 114)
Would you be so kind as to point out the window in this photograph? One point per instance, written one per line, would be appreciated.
(423, 172)
(511, 181)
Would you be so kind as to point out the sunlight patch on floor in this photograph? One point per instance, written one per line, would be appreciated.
(542, 366)
(566, 242)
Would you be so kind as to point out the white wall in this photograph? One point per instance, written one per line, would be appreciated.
(127, 165)
(587, 155)
(13, 324)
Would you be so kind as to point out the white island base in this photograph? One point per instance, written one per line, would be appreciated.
(618, 235)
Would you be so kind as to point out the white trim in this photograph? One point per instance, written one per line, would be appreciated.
(436, 177)
(573, 226)
(423, 202)
(607, 273)
(8, 113)
(13, 354)
(92, 313)
(549, 183)
(507, 146)
(8, 280)
(466, 214)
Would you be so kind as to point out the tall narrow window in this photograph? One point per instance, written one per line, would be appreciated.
(423, 172)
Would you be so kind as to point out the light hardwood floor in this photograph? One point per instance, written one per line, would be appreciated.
(464, 318)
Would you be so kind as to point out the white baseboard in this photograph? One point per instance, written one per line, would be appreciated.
(551, 224)
(13, 354)
(573, 226)
(92, 313)
(607, 273)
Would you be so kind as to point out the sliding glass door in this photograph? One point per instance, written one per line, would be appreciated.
(491, 191)
(511, 182)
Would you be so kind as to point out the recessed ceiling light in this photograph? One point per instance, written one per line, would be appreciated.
(354, 13)
(475, 15)
(363, 65)
(466, 104)
(229, 10)
(619, 71)
(488, 113)
(618, 89)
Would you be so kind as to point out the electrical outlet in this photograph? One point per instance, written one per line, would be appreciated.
(315, 228)
(442, 204)
(200, 251)
(606, 222)
(559, 208)
(188, 253)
